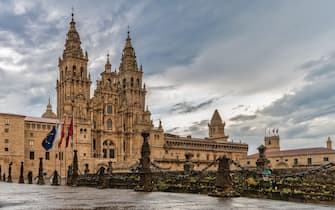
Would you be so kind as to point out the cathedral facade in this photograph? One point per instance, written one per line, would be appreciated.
(107, 124)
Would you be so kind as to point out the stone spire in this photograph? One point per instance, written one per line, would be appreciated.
(217, 128)
(49, 113)
(216, 118)
(108, 65)
(128, 60)
(72, 44)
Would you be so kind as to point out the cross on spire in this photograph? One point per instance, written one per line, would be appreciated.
(72, 13)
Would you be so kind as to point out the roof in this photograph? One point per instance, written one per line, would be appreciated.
(216, 118)
(168, 136)
(40, 119)
(18, 115)
(295, 152)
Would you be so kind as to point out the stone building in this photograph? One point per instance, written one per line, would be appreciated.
(107, 123)
(291, 159)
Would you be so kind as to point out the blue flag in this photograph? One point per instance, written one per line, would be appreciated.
(49, 140)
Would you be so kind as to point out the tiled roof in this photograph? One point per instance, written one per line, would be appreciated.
(40, 119)
(295, 152)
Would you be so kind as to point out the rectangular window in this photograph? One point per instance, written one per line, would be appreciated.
(6, 149)
(295, 161)
(33, 126)
(104, 151)
(31, 134)
(309, 161)
(31, 155)
(27, 125)
(44, 127)
(111, 153)
(38, 126)
(6, 121)
(248, 162)
(49, 127)
(325, 159)
(6, 130)
(6, 141)
(31, 142)
(47, 155)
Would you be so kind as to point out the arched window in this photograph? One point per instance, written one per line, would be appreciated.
(109, 124)
(124, 83)
(82, 72)
(131, 82)
(94, 144)
(138, 83)
(108, 149)
(109, 109)
(74, 70)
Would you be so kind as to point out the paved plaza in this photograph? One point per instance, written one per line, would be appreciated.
(23, 196)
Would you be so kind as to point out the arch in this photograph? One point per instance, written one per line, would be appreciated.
(109, 124)
(138, 82)
(282, 165)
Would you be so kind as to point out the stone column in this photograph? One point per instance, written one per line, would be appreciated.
(9, 178)
(188, 165)
(21, 178)
(145, 183)
(74, 177)
(261, 162)
(223, 179)
(40, 180)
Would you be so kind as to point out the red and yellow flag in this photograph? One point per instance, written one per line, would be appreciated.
(62, 135)
(69, 134)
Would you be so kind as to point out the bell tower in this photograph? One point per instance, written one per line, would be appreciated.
(73, 85)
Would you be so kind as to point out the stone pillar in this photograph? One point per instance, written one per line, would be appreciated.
(145, 183)
(223, 179)
(55, 179)
(9, 178)
(21, 178)
(74, 177)
(30, 177)
(40, 180)
(261, 162)
(188, 165)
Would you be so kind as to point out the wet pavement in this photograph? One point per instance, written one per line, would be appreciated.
(24, 196)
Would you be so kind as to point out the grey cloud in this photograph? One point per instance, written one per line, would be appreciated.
(243, 117)
(188, 107)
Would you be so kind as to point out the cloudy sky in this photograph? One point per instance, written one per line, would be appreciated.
(262, 64)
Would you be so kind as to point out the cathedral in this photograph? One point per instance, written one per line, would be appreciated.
(107, 124)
